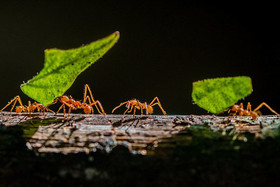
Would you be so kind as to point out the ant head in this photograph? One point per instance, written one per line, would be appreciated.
(20, 109)
(254, 115)
(235, 108)
(87, 109)
(64, 98)
(150, 109)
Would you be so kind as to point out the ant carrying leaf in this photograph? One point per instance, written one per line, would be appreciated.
(239, 110)
(62, 67)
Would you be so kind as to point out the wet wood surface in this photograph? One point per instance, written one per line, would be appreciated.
(88, 133)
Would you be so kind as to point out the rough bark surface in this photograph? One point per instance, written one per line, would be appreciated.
(174, 150)
(88, 133)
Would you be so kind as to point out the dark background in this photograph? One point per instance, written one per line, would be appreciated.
(163, 48)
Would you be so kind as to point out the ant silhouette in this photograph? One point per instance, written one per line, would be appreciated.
(136, 104)
(239, 109)
(30, 108)
(72, 104)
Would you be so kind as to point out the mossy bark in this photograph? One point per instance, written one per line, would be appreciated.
(141, 151)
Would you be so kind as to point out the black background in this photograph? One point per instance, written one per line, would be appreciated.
(163, 48)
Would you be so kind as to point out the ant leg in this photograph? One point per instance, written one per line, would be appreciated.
(87, 98)
(126, 110)
(231, 114)
(101, 107)
(90, 93)
(60, 107)
(92, 110)
(15, 99)
(47, 109)
(29, 108)
(44, 112)
(119, 106)
(264, 104)
(249, 107)
(64, 111)
(95, 104)
(157, 103)
(69, 111)
(134, 111)
(234, 113)
(146, 108)
(69, 108)
(19, 100)
(131, 107)
(159, 107)
(63, 106)
(55, 101)
(85, 93)
(92, 99)
(128, 107)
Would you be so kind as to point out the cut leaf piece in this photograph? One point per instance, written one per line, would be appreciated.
(62, 68)
(216, 95)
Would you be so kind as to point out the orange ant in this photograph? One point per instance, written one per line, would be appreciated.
(74, 105)
(30, 108)
(239, 109)
(136, 104)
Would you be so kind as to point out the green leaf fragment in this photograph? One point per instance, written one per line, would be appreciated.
(217, 95)
(62, 67)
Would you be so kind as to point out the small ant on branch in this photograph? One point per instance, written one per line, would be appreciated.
(135, 104)
(239, 109)
(30, 108)
(73, 104)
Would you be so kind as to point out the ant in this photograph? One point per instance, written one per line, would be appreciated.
(74, 105)
(239, 109)
(30, 108)
(136, 104)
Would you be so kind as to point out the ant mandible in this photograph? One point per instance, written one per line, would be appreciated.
(74, 105)
(136, 104)
(30, 108)
(239, 109)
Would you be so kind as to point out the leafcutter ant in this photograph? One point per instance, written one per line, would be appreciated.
(239, 110)
(30, 108)
(73, 104)
(135, 104)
